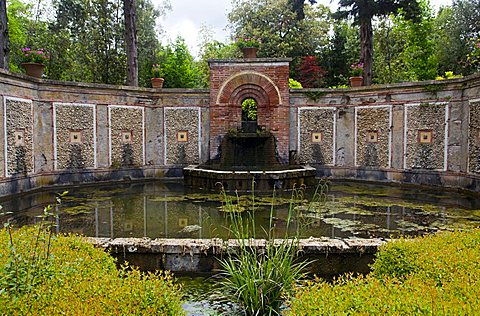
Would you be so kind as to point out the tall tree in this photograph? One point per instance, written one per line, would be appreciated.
(178, 67)
(89, 41)
(457, 28)
(276, 24)
(212, 49)
(298, 6)
(148, 43)
(340, 54)
(363, 12)
(129, 11)
(4, 44)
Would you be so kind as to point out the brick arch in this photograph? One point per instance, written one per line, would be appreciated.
(245, 84)
(249, 91)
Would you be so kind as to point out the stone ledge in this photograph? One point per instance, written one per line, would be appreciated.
(328, 257)
(249, 60)
(217, 246)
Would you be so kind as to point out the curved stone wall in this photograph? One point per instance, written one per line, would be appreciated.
(423, 133)
(56, 133)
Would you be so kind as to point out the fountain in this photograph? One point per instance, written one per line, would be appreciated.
(249, 129)
(246, 157)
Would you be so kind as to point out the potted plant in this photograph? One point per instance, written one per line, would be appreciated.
(157, 80)
(33, 61)
(248, 46)
(356, 70)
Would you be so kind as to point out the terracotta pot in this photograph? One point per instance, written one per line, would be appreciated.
(157, 83)
(34, 69)
(249, 52)
(356, 81)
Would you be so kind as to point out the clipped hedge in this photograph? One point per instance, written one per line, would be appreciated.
(76, 279)
(434, 275)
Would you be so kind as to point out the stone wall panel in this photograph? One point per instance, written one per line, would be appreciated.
(183, 151)
(316, 120)
(126, 136)
(19, 136)
(426, 117)
(373, 121)
(474, 138)
(75, 118)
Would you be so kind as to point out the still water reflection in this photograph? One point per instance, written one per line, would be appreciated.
(168, 210)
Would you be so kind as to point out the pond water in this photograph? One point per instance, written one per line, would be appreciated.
(168, 210)
(201, 298)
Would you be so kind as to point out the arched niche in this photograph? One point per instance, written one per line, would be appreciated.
(249, 84)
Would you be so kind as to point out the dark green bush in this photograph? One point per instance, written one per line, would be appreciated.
(76, 279)
(431, 275)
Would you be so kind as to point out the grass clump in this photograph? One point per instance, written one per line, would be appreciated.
(46, 274)
(260, 274)
(430, 275)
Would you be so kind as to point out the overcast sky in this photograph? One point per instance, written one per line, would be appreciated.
(187, 17)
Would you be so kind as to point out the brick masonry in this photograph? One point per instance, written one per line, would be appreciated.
(266, 81)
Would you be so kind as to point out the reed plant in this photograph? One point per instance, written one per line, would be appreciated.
(259, 274)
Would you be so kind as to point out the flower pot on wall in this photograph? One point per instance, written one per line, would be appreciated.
(249, 52)
(356, 81)
(34, 69)
(157, 83)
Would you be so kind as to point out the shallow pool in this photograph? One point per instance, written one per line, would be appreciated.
(168, 210)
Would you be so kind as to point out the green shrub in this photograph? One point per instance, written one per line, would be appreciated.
(395, 260)
(294, 84)
(76, 279)
(432, 275)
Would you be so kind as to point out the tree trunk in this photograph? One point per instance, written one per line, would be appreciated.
(4, 44)
(131, 42)
(366, 54)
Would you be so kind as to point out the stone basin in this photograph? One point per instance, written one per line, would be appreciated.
(241, 180)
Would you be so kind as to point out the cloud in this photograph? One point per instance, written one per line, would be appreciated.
(187, 17)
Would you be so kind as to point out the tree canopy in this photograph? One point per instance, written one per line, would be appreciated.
(398, 40)
(363, 12)
(275, 23)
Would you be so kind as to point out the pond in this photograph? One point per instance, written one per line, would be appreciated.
(165, 209)
(201, 297)
(168, 210)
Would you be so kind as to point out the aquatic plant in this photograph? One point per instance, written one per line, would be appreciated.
(260, 279)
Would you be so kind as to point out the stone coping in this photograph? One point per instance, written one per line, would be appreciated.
(215, 171)
(249, 60)
(213, 246)
(460, 82)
